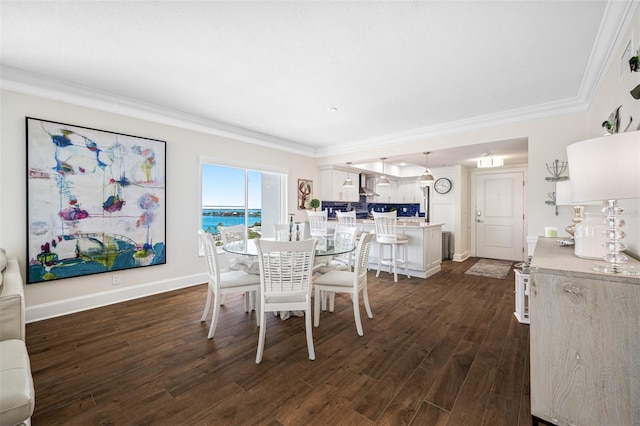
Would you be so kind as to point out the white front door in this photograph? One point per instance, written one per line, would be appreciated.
(499, 215)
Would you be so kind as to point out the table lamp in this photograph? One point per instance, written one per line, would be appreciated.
(606, 168)
(565, 198)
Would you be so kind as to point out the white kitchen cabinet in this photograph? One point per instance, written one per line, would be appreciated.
(584, 340)
(332, 189)
(408, 191)
(387, 193)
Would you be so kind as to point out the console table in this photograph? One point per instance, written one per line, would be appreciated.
(585, 341)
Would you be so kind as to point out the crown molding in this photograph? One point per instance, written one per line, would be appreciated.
(614, 25)
(27, 83)
(474, 123)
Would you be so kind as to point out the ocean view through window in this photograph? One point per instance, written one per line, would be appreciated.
(236, 196)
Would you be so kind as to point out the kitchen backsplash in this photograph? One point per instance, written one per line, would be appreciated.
(363, 210)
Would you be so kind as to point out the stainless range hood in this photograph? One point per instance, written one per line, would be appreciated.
(367, 183)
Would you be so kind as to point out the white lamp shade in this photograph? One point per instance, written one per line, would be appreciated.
(564, 196)
(605, 168)
(563, 193)
(426, 179)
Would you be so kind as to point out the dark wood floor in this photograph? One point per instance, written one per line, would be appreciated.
(442, 351)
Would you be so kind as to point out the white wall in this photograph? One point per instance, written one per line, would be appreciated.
(617, 84)
(548, 139)
(184, 150)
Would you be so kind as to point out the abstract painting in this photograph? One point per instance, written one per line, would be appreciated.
(96, 201)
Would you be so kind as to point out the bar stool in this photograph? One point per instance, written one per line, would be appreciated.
(387, 236)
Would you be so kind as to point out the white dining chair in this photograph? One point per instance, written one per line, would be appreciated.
(286, 281)
(346, 218)
(387, 236)
(231, 234)
(348, 282)
(222, 283)
(344, 238)
(318, 223)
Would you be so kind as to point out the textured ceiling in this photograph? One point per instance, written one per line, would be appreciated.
(272, 69)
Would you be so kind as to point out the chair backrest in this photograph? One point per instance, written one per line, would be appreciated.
(286, 266)
(362, 258)
(318, 223)
(231, 233)
(346, 218)
(211, 255)
(281, 231)
(345, 237)
(386, 223)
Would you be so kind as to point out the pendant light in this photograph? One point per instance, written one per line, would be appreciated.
(383, 179)
(348, 183)
(427, 177)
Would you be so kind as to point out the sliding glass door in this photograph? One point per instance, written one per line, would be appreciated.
(237, 196)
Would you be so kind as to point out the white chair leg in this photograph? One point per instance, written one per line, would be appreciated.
(356, 312)
(207, 304)
(307, 315)
(323, 295)
(332, 300)
(256, 306)
(316, 306)
(365, 298)
(380, 258)
(247, 301)
(214, 316)
(261, 336)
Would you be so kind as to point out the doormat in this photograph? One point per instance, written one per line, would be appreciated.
(490, 268)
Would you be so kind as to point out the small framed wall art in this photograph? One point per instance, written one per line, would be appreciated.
(305, 193)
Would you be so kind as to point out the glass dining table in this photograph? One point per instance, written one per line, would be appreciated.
(325, 247)
(246, 254)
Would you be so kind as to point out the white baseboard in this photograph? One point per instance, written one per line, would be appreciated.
(461, 257)
(96, 300)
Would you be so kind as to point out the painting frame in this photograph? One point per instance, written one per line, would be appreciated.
(305, 193)
(96, 201)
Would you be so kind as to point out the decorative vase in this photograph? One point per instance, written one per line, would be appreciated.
(590, 236)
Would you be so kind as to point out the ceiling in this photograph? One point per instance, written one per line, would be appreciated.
(321, 77)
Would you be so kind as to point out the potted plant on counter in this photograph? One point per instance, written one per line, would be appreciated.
(314, 204)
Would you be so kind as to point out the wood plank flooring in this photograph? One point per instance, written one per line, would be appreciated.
(442, 351)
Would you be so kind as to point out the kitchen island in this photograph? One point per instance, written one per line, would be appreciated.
(424, 251)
